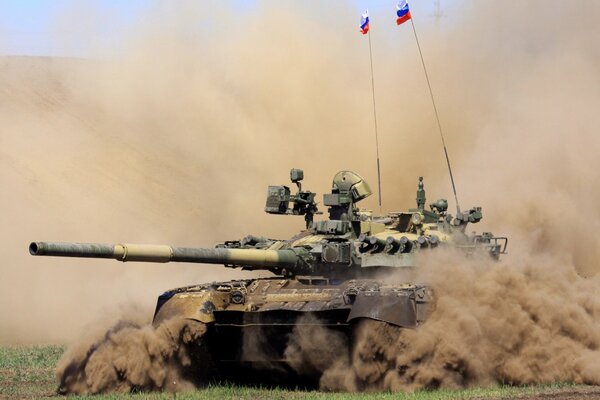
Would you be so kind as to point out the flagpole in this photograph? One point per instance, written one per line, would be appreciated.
(375, 119)
(437, 117)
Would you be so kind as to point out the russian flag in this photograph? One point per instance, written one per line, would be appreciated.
(403, 12)
(364, 22)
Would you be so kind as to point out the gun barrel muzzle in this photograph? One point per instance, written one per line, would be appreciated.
(91, 250)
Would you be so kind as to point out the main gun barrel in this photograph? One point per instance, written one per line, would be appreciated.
(287, 258)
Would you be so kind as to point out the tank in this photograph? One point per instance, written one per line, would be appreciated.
(336, 271)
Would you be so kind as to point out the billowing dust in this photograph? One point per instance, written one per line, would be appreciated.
(175, 136)
(492, 324)
(130, 357)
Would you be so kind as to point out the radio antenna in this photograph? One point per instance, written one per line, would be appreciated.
(437, 117)
(375, 120)
(365, 30)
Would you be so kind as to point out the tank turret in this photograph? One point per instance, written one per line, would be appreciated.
(350, 243)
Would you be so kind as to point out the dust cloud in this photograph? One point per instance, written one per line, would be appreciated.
(313, 350)
(493, 323)
(173, 141)
(130, 358)
(174, 138)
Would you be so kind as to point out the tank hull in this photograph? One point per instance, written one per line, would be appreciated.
(250, 322)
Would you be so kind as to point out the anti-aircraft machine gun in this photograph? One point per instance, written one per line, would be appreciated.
(334, 270)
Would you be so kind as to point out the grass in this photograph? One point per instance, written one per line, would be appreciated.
(27, 372)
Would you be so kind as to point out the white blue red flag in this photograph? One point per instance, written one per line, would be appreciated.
(402, 12)
(364, 22)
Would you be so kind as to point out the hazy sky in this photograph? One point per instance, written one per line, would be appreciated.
(42, 27)
(30, 27)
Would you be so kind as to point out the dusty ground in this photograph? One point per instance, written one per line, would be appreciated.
(27, 372)
(566, 393)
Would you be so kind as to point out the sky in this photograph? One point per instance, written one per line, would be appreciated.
(30, 27)
(38, 27)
